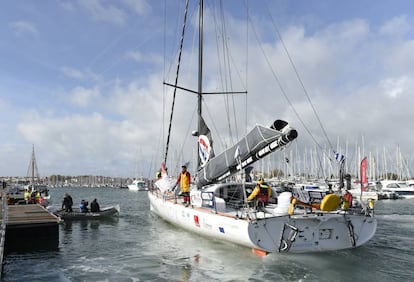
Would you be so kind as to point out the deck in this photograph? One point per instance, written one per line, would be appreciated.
(21, 216)
(27, 227)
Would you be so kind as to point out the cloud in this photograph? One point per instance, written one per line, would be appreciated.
(85, 144)
(79, 75)
(140, 57)
(139, 7)
(101, 11)
(394, 87)
(21, 28)
(73, 137)
(72, 73)
(84, 97)
(358, 76)
(67, 5)
(395, 26)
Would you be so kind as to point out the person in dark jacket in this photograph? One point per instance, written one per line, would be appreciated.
(67, 203)
(95, 206)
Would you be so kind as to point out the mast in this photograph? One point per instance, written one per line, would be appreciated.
(32, 170)
(33, 166)
(200, 71)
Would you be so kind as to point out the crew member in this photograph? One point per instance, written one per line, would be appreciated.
(158, 174)
(67, 203)
(261, 192)
(83, 207)
(184, 179)
(347, 200)
(27, 196)
(38, 197)
(95, 206)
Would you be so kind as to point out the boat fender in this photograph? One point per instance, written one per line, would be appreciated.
(371, 203)
(292, 206)
(330, 202)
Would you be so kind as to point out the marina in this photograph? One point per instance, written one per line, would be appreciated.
(138, 245)
(206, 140)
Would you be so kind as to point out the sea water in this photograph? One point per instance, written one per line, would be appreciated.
(139, 246)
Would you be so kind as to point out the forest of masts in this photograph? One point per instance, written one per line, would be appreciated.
(313, 163)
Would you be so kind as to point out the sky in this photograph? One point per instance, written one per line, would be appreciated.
(82, 80)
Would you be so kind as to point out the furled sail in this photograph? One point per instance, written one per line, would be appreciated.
(258, 143)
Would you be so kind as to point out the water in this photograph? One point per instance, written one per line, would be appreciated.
(138, 246)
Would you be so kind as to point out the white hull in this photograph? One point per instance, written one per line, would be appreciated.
(400, 188)
(408, 195)
(403, 193)
(365, 196)
(312, 232)
(132, 187)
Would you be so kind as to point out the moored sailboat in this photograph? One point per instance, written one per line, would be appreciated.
(220, 209)
(33, 193)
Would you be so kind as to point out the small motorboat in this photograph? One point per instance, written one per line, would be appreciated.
(76, 214)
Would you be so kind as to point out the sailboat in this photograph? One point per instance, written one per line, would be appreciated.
(35, 186)
(219, 207)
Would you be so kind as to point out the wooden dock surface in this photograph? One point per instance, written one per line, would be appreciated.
(29, 215)
(20, 222)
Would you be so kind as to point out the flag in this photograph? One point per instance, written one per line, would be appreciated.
(205, 143)
(341, 160)
(339, 157)
(363, 174)
(204, 130)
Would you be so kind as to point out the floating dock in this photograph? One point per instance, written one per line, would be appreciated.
(27, 227)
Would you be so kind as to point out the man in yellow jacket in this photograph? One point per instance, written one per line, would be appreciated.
(261, 192)
(27, 198)
(184, 179)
